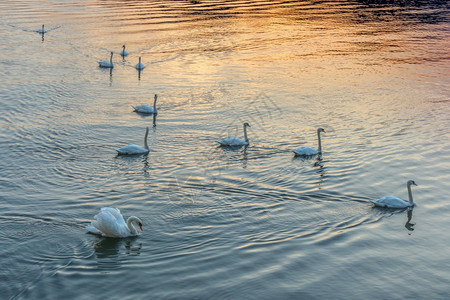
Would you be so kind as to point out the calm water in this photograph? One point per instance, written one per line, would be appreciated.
(220, 223)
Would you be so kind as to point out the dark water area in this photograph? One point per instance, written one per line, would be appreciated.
(221, 223)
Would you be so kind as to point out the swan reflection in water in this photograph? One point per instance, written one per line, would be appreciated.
(409, 225)
(109, 250)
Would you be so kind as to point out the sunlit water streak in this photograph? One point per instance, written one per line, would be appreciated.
(225, 223)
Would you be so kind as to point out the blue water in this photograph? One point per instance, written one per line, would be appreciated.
(219, 223)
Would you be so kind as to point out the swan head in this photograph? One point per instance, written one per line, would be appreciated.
(321, 130)
(247, 125)
(411, 182)
(136, 220)
(123, 46)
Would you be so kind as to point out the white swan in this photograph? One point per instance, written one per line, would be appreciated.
(109, 222)
(146, 109)
(309, 151)
(235, 142)
(394, 202)
(42, 30)
(123, 52)
(140, 66)
(106, 64)
(135, 149)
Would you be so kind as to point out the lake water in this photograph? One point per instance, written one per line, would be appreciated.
(251, 223)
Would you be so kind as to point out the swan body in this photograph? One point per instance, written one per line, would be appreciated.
(236, 142)
(123, 52)
(134, 149)
(394, 202)
(139, 65)
(309, 151)
(146, 109)
(106, 64)
(42, 30)
(110, 222)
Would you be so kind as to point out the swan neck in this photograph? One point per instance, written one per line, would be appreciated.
(110, 58)
(130, 225)
(245, 134)
(154, 102)
(319, 141)
(145, 139)
(410, 197)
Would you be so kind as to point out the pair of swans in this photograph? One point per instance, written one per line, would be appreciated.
(135, 149)
(109, 222)
(109, 64)
(302, 151)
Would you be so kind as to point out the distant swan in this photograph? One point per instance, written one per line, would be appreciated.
(123, 52)
(135, 149)
(146, 109)
(394, 202)
(309, 151)
(140, 66)
(233, 141)
(109, 222)
(106, 64)
(42, 30)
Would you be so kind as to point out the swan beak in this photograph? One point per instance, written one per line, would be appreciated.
(140, 226)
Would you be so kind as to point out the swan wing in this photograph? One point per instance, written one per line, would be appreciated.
(110, 223)
(92, 229)
(391, 202)
(232, 141)
(306, 151)
(132, 149)
(115, 212)
(144, 108)
(105, 64)
(106, 223)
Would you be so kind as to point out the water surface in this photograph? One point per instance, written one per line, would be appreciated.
(225, 223)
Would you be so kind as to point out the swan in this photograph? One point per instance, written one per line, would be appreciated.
(233, 141)
(146, 109)
(308, 151)
(394, 202)
(134, 149)
(109, 222)
(106, 64)
(123, 52)
(140, 66)
(42, 30)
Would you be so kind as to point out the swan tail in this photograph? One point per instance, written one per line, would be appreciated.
(93, 230)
